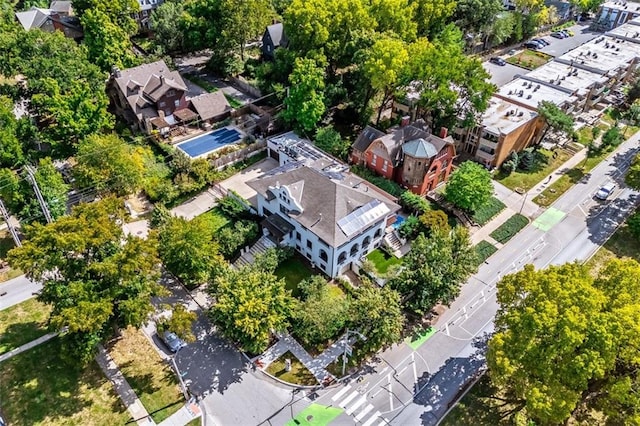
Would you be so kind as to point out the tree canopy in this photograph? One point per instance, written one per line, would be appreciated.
(96, 279)
(555, 119)
(304, 105)
(632, 177)
(566, 341)
(469, 186)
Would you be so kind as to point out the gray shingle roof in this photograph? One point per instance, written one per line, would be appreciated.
(324, 201)
(368, 135)
(210, 105)
(275, 32)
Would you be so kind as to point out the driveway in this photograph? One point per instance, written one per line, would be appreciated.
(501, 75)
(559, 47)
(238, 182)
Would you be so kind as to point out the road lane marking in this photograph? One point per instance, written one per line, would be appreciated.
(415, 373)
(341, 392)
(372, 419)
(363, 412)
(390, 392)
(346, 401)
(352, 409)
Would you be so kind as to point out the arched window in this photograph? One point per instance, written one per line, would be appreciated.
(354, 249)
(378, 233)
(323, 255)
(342, 257)
(366, 241)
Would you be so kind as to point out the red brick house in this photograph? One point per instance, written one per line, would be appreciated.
(410, 155)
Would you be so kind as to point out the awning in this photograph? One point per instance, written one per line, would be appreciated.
(277, 225)
(159, 122)
(185, 115)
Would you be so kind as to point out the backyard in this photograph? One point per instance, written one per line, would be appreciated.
(382, 260)
(214, 218)
(544, 164)
(152, 379)
(22, 323)
(39, 387)
(293, 270)
(529, 59)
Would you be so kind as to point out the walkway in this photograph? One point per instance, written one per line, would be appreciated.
(183, 416)
(122, 388)
(522, 203)
(197, 205)
(27, 346)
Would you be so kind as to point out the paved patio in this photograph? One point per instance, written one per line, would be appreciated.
(238, 182)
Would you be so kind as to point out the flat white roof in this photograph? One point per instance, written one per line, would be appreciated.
(622, 5)
(503, 117)
(531, 94)
(603, 54)
(565, 77)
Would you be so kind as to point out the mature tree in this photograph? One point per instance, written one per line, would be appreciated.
(108, 43)
(233, 237)
(414, 203)
(501, 28)
(564, 340)
(304, 105)
(434, 219)
(180, 322)
(187, 250)
(612, 137)
(329, 140)
(52, 186)
(11, 151)
(432, 15)
(396, 17)
(322, 313)
(244, 20)
(166, 22)
(555, 119)
(476, 15)
(633, 174)
(469, 186)
(384, 67)
(633, 223)
(110, 164)
(435, 268)
(120, 11)
(96, 279)
(250, 304)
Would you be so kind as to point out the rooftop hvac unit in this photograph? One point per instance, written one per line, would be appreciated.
(524, 83)
(520, 114)
(528, 96)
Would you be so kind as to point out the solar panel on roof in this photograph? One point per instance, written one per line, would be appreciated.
(362, 217)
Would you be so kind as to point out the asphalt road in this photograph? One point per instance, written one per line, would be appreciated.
(17, 290)
(412, 387)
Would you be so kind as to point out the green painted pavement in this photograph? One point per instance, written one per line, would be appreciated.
(416, 341)
(316, 415)
(548, 219)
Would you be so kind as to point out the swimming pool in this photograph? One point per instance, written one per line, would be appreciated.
(204, 144)
(398, 222)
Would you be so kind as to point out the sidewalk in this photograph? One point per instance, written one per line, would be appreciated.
(40, 340)
(123, 389)
(522, 203)
(183, 416)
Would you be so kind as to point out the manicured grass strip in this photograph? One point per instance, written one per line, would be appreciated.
(22, 323)
(293, 270)
(529, 59)
(548, 219)
(315, 415)
(298, 375)
(484, 250)
(488, 211)
(382, 260)
(418, 340)
(543, 165)
(511, 227)
(149, 375)
(38, 387)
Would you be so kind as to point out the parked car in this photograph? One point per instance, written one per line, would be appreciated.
(565, 32)
(541, 41)
(569, 32)
(173, 342)
(498, 61)
(605, 191)
(532, 45)
(558, 34)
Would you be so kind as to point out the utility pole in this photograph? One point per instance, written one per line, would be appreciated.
(12, 230)
(43, 204)
(346, 349)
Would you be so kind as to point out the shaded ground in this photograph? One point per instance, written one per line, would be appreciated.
(294, 270)
(22, 323)
(39, 387)
(298, 374)
(622, 244)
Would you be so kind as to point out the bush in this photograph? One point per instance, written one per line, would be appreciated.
(511, 227)
(526, 160)
(634, 224)
(409, 228)
(232, 207)
(413, 203)
(231, 238)
(382, 183)
(435, 219)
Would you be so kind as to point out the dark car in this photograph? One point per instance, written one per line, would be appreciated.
(498, 61)
(173, 342)
(532, 45)
(541, 41)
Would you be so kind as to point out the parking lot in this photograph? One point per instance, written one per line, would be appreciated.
(501, 75)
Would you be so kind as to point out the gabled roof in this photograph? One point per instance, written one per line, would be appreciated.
(325, 201)
(158, 85)
(33, 18)
(276, 32)
(368, 135)
(394, 141)
(210, 105)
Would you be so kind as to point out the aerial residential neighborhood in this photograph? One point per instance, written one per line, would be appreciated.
(319, 212)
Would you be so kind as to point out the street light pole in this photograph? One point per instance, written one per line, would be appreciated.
(346, 346)
(175, 366)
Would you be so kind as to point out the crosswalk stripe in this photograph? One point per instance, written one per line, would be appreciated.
(340, 393)
(363, 412)
(384, 422)
(355, 405)
(376, 416)
(345, 401)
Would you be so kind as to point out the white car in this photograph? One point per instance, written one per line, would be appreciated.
(606, 190)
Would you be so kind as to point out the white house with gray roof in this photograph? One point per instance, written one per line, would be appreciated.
(333, 219)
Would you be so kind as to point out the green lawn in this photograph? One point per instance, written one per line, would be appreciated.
(511, 227)
(484, 250)
(299, 374)
(622, 244)
(199, 81)
(22, 323)
(150, 376)
(488, 211)
(529, 59)
(38, 388)
(294, 270)
(235, 103)
(215, 219)
(544, 164)
(382, 260)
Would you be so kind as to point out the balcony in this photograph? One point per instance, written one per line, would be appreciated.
(485, 155)
(488, 144)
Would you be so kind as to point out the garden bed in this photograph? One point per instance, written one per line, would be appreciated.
(529, 59)
(484, 249)
(488, 211)
(298, 375)
(511, 227)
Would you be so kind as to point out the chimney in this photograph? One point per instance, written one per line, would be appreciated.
(443, 132)
(115, 71)
(405, 121)
(161, 113)
(161, 79)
